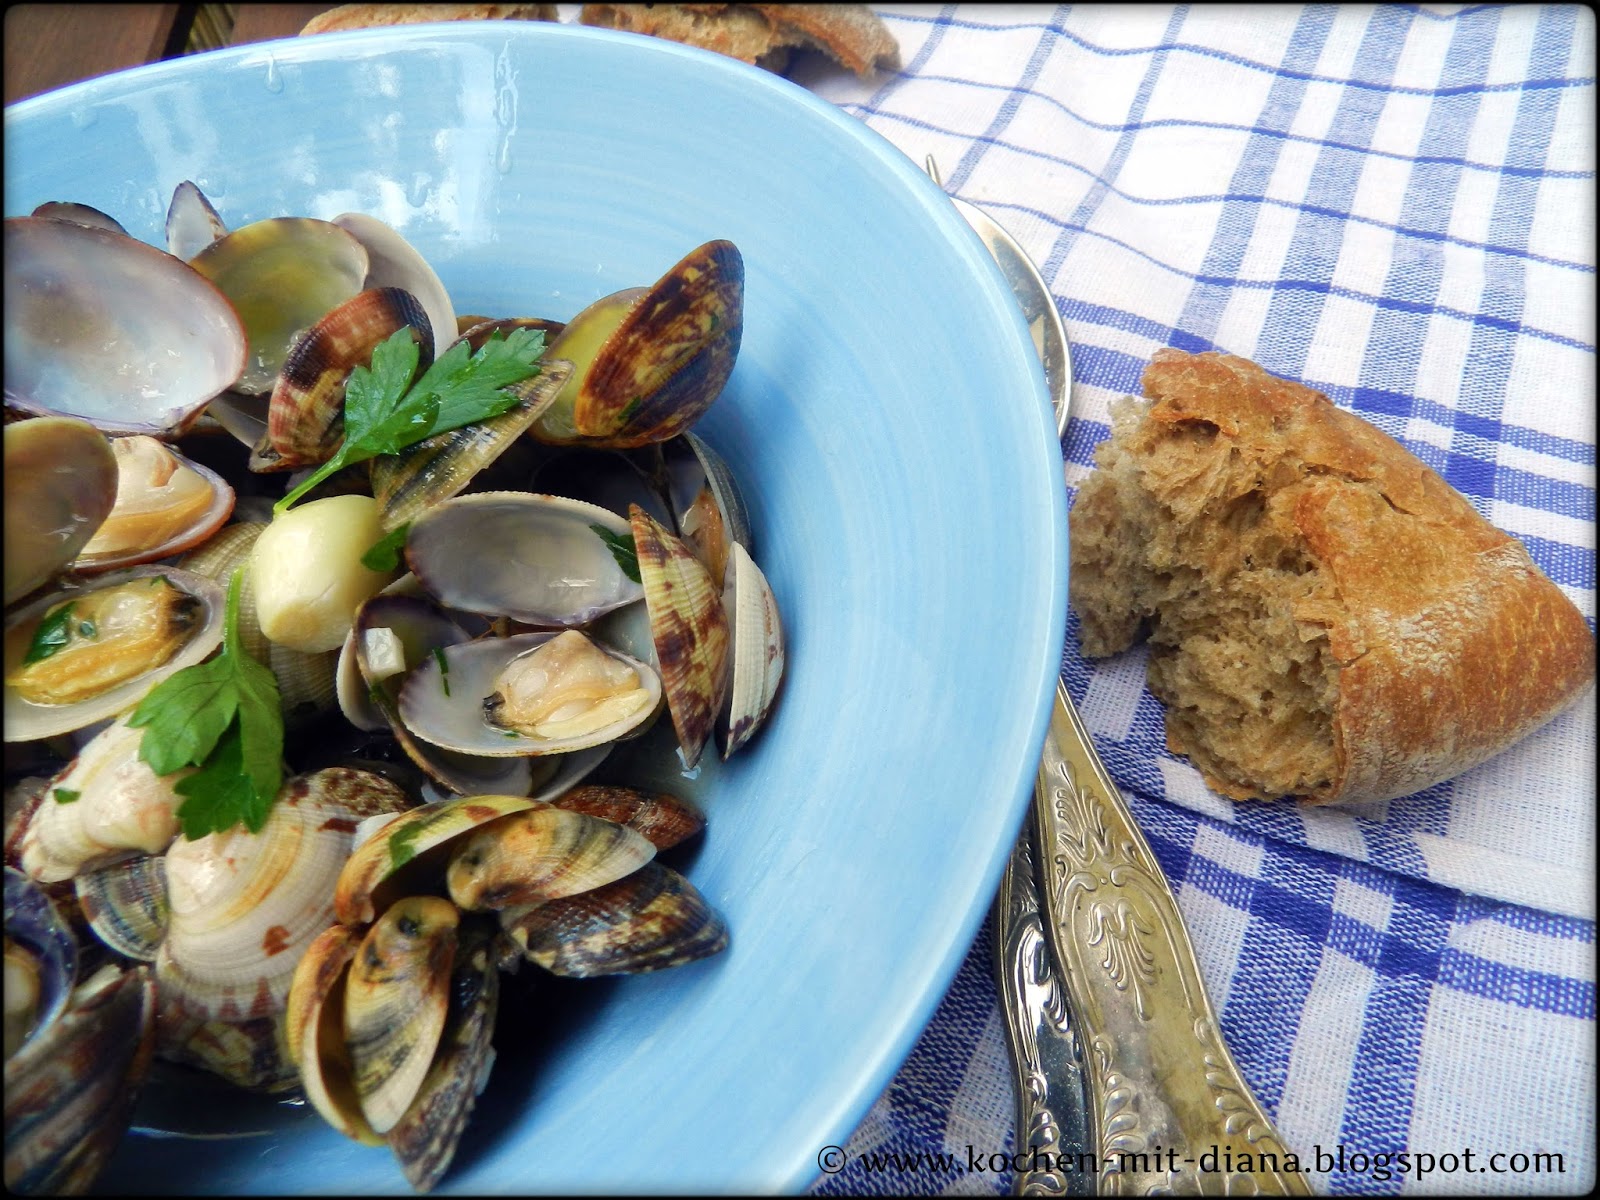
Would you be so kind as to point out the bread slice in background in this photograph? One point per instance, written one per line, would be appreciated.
(367, 16)
(761, 34)
(1327, 617)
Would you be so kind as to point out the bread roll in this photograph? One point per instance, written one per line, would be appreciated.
(367, 16)
(1327, 618)
(762, 34)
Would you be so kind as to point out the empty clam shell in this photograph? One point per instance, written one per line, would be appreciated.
(192, 222)
(282, 275)
(649, 920)
(83, 306)
(690, 630)
(393, 262)
(541, 854)
(51, 512)
(78, 214)
(757, 651)
(397, 992)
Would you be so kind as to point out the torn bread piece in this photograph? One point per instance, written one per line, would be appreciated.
(367, 16)
(761, 34)
(1327, 618)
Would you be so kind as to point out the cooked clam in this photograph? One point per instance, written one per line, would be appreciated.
(90, 651)
(541, 854)
(165, 504)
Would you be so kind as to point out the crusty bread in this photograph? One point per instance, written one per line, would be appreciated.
(1327, 617)
(762, 34)
(364, 16)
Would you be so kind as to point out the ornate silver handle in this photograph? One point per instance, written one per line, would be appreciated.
(1170, 1110)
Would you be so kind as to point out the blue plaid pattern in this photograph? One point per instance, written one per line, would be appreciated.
(1394, 204)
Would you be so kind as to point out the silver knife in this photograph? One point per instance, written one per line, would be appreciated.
(1148, 1083)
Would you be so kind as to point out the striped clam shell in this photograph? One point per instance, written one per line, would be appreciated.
(661, 817)
(541, 854)
(689, 628)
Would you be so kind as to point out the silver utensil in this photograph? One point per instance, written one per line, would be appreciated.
(1132, 1062)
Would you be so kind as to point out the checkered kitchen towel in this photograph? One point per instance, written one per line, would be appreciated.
(1396, 205)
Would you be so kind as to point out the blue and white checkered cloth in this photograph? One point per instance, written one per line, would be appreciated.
(1395, 205)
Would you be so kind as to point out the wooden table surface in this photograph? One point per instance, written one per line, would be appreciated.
(50, 45)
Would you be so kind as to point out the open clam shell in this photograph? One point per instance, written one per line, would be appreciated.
(543, 560)
(41, 961)
(199, 635)
(690, 629)
(166, 504)
(78, 214)
(529, 694)
(51, 513)
(84, 306)
(282, 274)
(314, 1030)
(707, 505)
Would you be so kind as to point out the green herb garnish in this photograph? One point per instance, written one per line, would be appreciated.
(52, 636)
(225, 717)
(384, 554)
(622, 549)
(402, 844)
(444, 668)
(384, 411)
(65, 795)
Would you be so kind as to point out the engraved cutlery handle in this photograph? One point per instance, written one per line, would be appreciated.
(1169, 1109)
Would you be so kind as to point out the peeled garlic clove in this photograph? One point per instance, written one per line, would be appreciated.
(308, 573)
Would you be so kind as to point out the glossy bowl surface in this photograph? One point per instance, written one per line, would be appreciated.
(888, 420)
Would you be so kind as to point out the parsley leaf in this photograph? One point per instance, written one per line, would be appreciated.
(65, 795)
(53, 634)
(384, 554)
(383, 416)
(225, 717)
(622, 549)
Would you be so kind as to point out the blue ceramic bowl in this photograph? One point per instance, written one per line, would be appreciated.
(888, 420)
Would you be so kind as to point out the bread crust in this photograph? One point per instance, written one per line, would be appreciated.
(1451, 644)
(366, 16)
(761, 34)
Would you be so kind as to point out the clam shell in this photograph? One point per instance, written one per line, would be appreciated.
(126, 905)
(393, 262)
(646, 921)
(385, 864)
(424, 1139)
(543, 560)
(26, 720)
(78, 214)
(433, 470)
(314, 1030)
(35, 930)
(757, 651)
(166, 504)
(661, 817)
(444, 700)
(70, 1092)
(107, 805)
(192, 223)
(541, 854)
(305, 417)
(690, 629)
(244, 906)
(707, 505)
(249, 1054)
(84, 306)
(282, 275)
(397, 992)
(51, 513)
